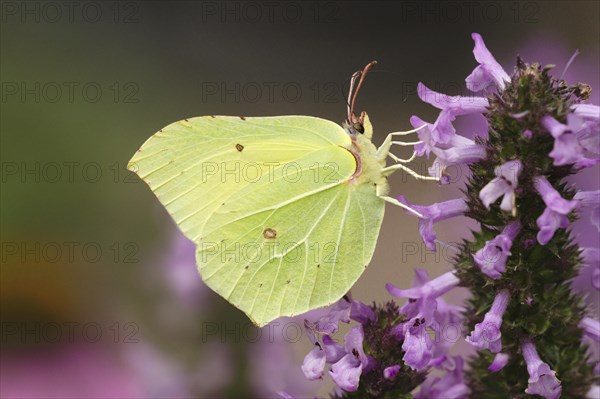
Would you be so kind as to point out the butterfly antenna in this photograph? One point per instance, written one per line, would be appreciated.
(362, 78)
(349, 100)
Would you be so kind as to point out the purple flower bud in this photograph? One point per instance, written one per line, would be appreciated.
(487, 334)
(554, 216)
(491, 259)
(435, 213)
(499, 362)
(542, 380)
(488, 70)
(389, 373)
(528, 134)
(590, 199)
(455, 105)
(504, 184)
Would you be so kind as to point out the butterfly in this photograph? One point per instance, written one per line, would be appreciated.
(285, 211)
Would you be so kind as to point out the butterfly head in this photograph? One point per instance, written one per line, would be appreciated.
(358, 125)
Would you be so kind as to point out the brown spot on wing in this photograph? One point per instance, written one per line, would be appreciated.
(270, 233)
(239, 147)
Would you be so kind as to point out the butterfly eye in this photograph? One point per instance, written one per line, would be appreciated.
(359, 127)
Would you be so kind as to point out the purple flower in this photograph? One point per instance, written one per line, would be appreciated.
(555, 214)
(591, 257)
(590, 199)
(429, 290)
(591, 328)
(361, 313)
(568, 141)
(589, 112)
(487, 334)
(346, 372)
(542, 380)
(340, 311)
(435, 213)
(333, 351)
(454, 105)
(588, 132)
(449, 385)
(594, 392)
(488, 70)
(491, 259)
(447, 325)
(499, 362)
(421, 309)
(347, 362)
(463, 151)
(549, 222)
(415, 306)
(417, 344)
(441, 132)
(504, 184)
(314, 362)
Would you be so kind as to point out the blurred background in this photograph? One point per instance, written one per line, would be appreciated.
(99, 291)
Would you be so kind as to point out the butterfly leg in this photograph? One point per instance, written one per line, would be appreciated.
(384, 150)
(381, 194)
(391, 169)
(402, 160)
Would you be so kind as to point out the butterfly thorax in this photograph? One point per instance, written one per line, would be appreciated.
(369, 165)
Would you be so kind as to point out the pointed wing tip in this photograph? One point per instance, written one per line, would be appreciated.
(132, 165)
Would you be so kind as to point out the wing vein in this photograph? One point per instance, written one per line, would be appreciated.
(337, 245)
